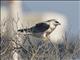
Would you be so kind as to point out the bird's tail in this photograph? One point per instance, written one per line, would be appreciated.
(27, 30)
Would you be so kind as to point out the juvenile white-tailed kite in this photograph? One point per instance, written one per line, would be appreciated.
(42, 29)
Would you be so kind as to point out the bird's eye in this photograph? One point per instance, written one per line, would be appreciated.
(56, 21)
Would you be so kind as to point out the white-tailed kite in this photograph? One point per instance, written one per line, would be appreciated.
(43, 29)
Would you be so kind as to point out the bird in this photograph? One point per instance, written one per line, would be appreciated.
(42, 29)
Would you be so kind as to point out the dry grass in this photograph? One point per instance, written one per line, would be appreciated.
(30, 48)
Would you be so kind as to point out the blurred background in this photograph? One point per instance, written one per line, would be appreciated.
(24, 14)
(32, 12)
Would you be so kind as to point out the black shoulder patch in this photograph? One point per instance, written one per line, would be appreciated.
(40, 27)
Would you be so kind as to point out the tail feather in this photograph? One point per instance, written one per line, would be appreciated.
(22, 30)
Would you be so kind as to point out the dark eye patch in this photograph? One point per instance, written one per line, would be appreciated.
(56, 21)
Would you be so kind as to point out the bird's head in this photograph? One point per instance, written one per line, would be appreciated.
(53, 22)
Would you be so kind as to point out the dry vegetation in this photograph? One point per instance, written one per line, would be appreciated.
(30, 48)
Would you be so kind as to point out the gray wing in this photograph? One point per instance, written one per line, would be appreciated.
(39, 28)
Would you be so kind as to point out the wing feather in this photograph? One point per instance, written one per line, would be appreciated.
(40, 27)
